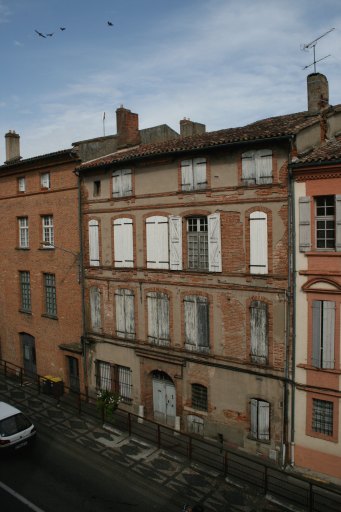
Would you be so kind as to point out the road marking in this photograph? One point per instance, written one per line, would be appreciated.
(18, 496)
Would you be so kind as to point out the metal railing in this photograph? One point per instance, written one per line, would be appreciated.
(289, 488)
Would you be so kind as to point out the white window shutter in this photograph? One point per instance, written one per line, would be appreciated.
(94, 243)
(258, 243)
(263, 420)
(263, 163)
(129, 313)
(338, 222)
(175, 242)
(259, 335)
(120, 313)
(328, 329)
(317, 317)
(117, 183)
(153, 329)
(157, 242)
(95, 308)
(190, 320)
(163, 317)
(248, 168)
(254, 417)
(187, 175)
(304, 224)
(214, 243)
(126, 182)
(123, 242)
(199, 173)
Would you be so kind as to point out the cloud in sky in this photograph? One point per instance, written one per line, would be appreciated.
(220, 62)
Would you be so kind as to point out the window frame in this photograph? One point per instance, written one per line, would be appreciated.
(50, 295)
(259, 340)
(197, 335)
(47, 231)
(158, 309)
(94, 247)
(116, 378)
(21, 184)
(25, 291)
(45, 180)
(24, 235)
(325, 219)
(121, 185)
(260, 415)
(125, 313)
(193, 174)
(253, 170)
(259, 243)
(323, 325)
(95, 300)
(199, 397)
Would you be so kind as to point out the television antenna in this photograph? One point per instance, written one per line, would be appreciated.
(312, 45)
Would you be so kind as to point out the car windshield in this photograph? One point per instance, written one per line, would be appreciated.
(13, 425)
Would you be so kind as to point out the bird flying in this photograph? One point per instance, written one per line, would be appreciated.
(50, 35)
(62, 28)
(110, 24)
(39, 34)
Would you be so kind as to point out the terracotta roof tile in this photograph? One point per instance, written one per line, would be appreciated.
(329, 151)
(264, 129)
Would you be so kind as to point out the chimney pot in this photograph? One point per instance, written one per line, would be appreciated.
(318, 92)
(127, 123)
(188, 127)
(12, 141)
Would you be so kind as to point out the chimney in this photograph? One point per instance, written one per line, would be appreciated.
(127, 128)
(188, 128)
(318, 92)
(12, 140)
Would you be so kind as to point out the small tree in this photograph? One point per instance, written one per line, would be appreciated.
(107, 402)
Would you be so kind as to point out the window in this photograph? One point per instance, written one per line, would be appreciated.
(259, 332)
(204, 243)
(257, 167)
(199, 397)
(258, 243)
(157, 242)
(50, 294)
(323, 333)
(25, 289)
(48, 231)
(125, 313)
(193, 174)
(196, 323)
(122, 183)
(322, 420)
(94, 243)
(97, 188)
(158, 318)
(260, 420)
(21, 184)
(95, 308)
(45, 180)
(327, 223)
(23, 232)
(114, 378)
(123, 243)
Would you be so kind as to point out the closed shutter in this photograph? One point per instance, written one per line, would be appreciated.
(259, 335)
(187, 175)
(163, 318)
(304, 224)
(45, 180)
(95, 306)
(317, 314)
(126, 182)
(263, 163)
(93, 243)
(214, 243)
(199, 173)
(120, 313)
(258, 243)
(153, 329)
(157, 242)
(328, 329)
(129, 304)
(248, 168)
(338, 222)
(202, 322)
(117, 183)
(190, 320)
(123, 242)
(263, 420)
(175, 243)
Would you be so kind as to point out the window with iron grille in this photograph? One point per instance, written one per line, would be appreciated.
(199, 397)
(116, 378)
(23, 232)
(48, 231)
(322, 421)
(197, 243)
(50, 294)
(325, 222)
(25, 289)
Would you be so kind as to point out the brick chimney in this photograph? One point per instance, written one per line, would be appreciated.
(12, 141)
(127, 128)
(318, 92)
(188, 128)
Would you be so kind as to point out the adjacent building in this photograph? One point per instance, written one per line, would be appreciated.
(316, 408)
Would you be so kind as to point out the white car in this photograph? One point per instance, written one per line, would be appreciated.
(16, 430)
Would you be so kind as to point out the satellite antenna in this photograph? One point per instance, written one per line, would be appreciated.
(103, 124)
(312, 44)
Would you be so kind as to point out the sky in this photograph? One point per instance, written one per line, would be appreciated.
(223, 63)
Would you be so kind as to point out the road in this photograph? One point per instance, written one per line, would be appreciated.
(53, 477)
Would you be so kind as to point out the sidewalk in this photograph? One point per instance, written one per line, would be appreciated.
(196, 484)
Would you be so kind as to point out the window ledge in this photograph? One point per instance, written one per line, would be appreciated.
(22, 248)
(196, 349)
(52, 317)
(46, 248)
(323, 252)
(195, 412)
(25, 312)
(335, 371)
(263, 441)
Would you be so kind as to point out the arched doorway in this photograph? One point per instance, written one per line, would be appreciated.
(164, 398)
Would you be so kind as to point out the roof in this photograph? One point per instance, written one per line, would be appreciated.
(328, 152)
(272, 127)
(14, 163)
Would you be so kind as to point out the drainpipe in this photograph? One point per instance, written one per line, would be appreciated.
(81, 263)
